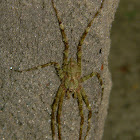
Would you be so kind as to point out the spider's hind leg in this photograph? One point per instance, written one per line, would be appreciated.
(60, 111)
(99, 78)
(54, 107)
(80, 104)
(84, 96)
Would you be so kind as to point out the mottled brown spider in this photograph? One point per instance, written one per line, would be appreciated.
(71, 79)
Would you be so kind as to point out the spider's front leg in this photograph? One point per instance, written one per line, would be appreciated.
(81, 41)
(64, 37)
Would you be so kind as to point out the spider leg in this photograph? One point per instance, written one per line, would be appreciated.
(80, 104)
(59, 112)
(99, 78)
(64, 37)
(85, 98)
(56, 65)
(54, 107)
(81, 41)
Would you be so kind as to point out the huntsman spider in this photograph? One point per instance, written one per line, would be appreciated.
(71, 79)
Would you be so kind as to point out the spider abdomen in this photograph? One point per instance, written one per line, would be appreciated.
(71, 84)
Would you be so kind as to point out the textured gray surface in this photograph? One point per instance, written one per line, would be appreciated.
(31, 36)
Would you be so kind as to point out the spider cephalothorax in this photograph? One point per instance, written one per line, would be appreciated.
(72, 76)
(71, 79)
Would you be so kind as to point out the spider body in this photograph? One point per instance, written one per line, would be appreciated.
(71, 79)
(72, 76)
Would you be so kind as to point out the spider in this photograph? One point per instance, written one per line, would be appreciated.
(71, 79)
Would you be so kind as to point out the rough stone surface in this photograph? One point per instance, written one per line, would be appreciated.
(30, 37)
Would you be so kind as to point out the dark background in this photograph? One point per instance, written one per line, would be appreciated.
(123, 121)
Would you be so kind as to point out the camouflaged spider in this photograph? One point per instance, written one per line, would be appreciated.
(71, 80)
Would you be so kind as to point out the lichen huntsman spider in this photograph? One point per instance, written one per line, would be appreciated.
(71, 79)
